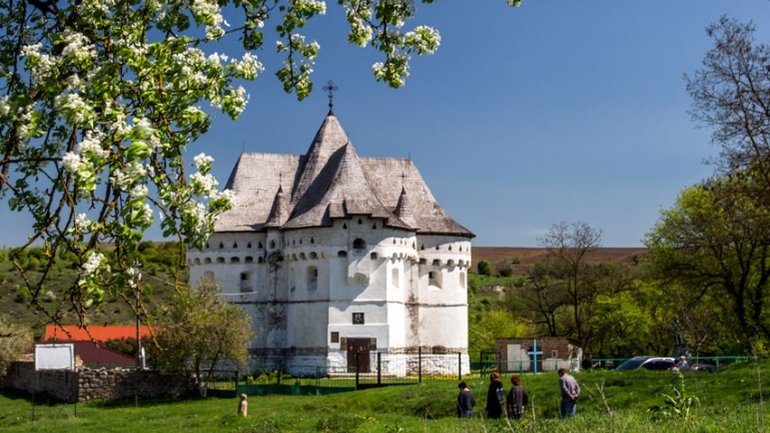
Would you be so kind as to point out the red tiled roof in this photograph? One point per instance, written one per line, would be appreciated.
(93, 355)
(93, 332)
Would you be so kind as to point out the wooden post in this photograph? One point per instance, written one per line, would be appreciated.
(358, 369)
(459, 366)
(379, 368)
(419, 364)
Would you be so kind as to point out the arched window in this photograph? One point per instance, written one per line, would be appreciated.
(374, 226)
(312, 240)
(246, 282)
(249, 259)
(197, 261)
(259, 245)
(313, 256)
(395, 278)
(342, 253)
(302, 256)
(248, 245)
(235, 244)
(235, 260)
(359, 244)
(373, 256)
(272, 244)
(207, 260)
(312, 278)
(344, 225)
(220, 259)
(436, 262)
(260, 260)
(221, 245)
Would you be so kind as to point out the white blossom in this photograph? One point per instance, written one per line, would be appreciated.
(202, 161)
(93, 263)
(248, 67)
(82, 223)
(71, 162)
(138, 191)
(78, 47)
(5, 107)
(206, 182)
(92, 144)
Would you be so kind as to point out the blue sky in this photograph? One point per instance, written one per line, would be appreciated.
(555, 111)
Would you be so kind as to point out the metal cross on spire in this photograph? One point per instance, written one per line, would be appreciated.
(330, 88)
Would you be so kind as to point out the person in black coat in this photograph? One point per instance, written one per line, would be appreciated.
(517, 399)
(465, 401)
(495, 395)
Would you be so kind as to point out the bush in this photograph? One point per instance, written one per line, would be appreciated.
(484, 268)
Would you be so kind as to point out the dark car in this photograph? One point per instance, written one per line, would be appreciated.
(648, 363)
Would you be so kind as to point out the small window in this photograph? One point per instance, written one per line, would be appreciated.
(313, 256)
(335, 337)
(221, 245)
(207, 245)
(259, 245)
(395, 278)
(373, 256)
(244, 276)
(235, 244)
(359, 244)
(312, 277)
(248, 245)
(358, 318)
(220, 259)
(436, 262)
(422, 247)
(344, 225)
(272, 244)
(235, 260)
(207, 260)
(302, 256)
(450, 248)
(312, 240)
(423, 262)
(374, 226)
(360, 221)
(300, 241)
(554, 354)
(437, 248)
(249, 259)
(197, 261)
(342, 253)
(260, 260)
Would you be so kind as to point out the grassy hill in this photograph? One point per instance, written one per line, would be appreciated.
(158, 265)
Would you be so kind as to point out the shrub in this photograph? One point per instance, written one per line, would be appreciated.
(484, 268)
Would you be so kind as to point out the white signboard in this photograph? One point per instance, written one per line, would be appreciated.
(55, 356)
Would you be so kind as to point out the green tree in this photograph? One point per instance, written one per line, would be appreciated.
(715, 244)
(484, 267)
(14, 340)
(730, 94)
(568, 246)
(199, 329)
(486, 327)
(100, 98)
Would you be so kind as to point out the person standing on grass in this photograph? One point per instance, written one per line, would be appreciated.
(517, 399)
(243, 406)
(495, 395)
(465, 401)
(570, 391)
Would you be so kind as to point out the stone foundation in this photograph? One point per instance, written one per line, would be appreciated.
(86, 384)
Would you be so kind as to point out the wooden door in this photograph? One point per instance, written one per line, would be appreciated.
(360, 346)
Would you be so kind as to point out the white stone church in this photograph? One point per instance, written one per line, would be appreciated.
(334, 254)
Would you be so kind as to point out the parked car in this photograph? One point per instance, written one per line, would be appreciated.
(708, 368)
(648, 363)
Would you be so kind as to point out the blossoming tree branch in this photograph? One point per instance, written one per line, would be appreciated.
(99, 98)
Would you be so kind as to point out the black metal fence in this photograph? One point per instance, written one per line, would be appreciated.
(374, 369)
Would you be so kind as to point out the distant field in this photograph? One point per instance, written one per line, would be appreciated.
(535, 255)
(733, 400)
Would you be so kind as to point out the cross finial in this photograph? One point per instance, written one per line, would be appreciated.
(330, 88)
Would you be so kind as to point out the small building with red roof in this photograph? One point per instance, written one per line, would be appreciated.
(93, 332)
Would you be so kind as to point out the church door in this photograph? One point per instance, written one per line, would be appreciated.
(358, 352)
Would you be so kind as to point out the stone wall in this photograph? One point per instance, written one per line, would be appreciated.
(86, 384)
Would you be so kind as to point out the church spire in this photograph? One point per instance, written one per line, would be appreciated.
(404, 210)
(277, 213)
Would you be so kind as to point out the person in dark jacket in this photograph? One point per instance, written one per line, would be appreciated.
(517, 399)
(495, 395)
(465, 401)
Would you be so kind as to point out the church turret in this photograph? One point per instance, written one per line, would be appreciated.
(404, 210)
(277, 213)
(329, 138)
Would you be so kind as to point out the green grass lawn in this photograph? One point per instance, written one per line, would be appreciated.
(729, 401)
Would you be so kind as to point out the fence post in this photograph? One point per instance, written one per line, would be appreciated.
(358, 369)
(379, 368)
(419, 364)
(459, 366)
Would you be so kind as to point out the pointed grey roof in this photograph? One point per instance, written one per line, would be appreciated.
(278, 212)
(340, 190)
(329, 138)
(404, 209)
(331, 181)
